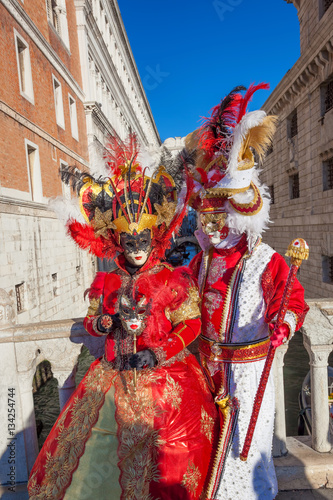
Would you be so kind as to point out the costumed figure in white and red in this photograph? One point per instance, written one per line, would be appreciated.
(241, 281)
(143, 416)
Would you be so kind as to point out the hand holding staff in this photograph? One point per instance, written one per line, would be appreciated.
(298, 250)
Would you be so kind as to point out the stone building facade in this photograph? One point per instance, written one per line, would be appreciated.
(49, 99)
(115, 101)
(299, 166)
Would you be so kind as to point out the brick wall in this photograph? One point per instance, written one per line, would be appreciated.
(35, 250)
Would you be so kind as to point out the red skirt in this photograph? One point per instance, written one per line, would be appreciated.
(116, 443)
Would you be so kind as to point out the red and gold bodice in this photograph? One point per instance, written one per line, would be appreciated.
(174, 317)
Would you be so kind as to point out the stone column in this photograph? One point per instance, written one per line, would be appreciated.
(280, 437)
(66, 385)
(319, 396)
(318, 339)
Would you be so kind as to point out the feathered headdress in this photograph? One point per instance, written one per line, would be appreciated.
(125, 200)
(224, 170)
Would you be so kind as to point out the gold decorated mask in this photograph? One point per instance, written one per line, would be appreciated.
(211, 222)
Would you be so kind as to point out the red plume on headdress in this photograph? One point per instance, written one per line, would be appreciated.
(247, 98)
(216, 129)
(117, 152)
(84, 237)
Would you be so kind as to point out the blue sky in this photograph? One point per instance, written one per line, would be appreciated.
(191, 53)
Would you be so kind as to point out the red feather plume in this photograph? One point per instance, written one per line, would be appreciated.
(84, 237)
(216, 129)
(118, 152)
(248, 96)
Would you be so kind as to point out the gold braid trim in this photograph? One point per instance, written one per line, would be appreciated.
(71, 439)
(188, 310)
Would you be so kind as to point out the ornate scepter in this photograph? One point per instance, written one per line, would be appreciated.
(298, 250)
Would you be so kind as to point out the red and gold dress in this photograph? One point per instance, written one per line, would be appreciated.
(113, 442)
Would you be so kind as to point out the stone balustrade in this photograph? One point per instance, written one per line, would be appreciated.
(60, 342)
(22, 349)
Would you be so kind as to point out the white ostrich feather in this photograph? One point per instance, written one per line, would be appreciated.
(250, 120)
(97, 162)
(252, 225)
(66, 209)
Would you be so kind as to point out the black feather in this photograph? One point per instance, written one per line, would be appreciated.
(75, 178)
(217, 122)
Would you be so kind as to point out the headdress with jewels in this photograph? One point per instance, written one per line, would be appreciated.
(220, 159)
(126, 199)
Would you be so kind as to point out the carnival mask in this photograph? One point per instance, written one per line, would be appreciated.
(133, 314)
(214, 225)
(137, 247)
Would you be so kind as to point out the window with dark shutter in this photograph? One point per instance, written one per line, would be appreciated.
(294, 186)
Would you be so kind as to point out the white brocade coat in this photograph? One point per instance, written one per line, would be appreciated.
(255, 478)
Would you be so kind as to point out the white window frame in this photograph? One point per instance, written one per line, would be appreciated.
(26, 87)
(58, 102)
(73, 117)
(57, 18)
(34, 177)
(66, 189)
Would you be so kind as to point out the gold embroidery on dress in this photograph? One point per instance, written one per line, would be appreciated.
(207, 424)
(191, 478)
(71, 439)
(173, 392)
(138, 440)
(188, 310)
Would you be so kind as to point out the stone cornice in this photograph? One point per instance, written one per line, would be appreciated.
(304, 71)
(22, 120)
(15, 206)
(115, 83)
(99, 117)
(18, 13)
(296, 3)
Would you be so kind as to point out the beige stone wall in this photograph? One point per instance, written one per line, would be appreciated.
(34, 248)
(311, 215)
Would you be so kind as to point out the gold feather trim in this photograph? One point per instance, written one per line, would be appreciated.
(259, 138)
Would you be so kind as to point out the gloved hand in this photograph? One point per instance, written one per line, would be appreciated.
(277, 338)
(104, 323)
(143, 359)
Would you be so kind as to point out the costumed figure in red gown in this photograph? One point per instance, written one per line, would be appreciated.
(241, 281)
(142, 422)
